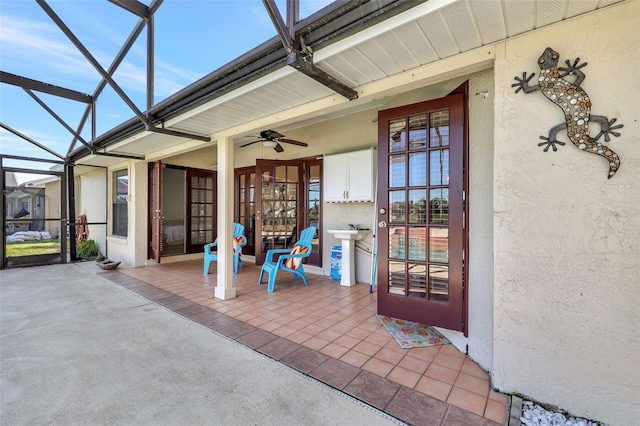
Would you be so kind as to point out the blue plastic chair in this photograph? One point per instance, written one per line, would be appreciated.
(239, 241)
(290, 260)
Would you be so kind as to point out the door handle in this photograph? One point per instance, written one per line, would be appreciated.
(382, 224)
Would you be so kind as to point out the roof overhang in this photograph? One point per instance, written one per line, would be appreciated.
(394, 47)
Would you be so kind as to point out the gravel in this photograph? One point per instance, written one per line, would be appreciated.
(535, 415)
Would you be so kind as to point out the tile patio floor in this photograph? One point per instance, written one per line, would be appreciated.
(331, 333)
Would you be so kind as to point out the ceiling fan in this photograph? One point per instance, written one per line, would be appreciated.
(271, 139)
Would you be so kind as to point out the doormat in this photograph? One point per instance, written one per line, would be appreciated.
(412, 334)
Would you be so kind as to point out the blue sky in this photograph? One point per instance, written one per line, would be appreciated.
(192, 39)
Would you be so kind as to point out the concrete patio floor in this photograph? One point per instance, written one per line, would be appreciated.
(326, 332)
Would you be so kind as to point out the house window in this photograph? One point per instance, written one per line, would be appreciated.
(120, 193)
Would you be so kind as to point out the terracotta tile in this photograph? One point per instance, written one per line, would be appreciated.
(379, 367)
(472, 384)
(329, 335)
(340, 328)
(449, 361)
(426, 354)
(434, 388)
(335, 373)
(416, 408)
(315, 343)
(299, 336)
(237, 329)
(304, 359)
(312, 329)
(258, 321)
(414, 364)
(347, 341)
(457, 416)
(378, 338)
(499, 397)
(355, 358)
(334, 350)
(388, 356)
(372, 389)
(451, 350)
(496, 411)
(279, 348)
(220, 322)
(467, 400)
(284, 331)
(441, 373)
(367, 348)
(358, 333)
(257, 338)
(471, 368)
(403, 376)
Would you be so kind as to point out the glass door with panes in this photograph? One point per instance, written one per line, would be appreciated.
(278, 210)
(246, 205)
(420, 212)
(201, 196)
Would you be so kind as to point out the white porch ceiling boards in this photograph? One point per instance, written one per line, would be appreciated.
(429, 32)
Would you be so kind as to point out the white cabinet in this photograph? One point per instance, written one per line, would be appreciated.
(349, 177)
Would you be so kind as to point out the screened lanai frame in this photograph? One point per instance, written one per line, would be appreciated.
(293, 46)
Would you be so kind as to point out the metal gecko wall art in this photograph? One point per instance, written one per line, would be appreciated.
(575, 105)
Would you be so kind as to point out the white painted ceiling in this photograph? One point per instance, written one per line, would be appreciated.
(429, 32)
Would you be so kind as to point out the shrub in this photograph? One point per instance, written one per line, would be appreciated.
(87, 249)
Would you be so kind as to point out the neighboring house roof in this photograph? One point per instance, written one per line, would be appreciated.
(10, 180)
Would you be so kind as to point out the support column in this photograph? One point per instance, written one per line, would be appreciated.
(224, 284)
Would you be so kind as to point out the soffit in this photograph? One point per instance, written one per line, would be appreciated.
(430, 32)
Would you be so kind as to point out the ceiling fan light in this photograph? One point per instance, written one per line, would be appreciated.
(269, 144)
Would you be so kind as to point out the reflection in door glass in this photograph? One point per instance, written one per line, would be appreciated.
(417, 280)
(439, 167)
(439, 245)
(396, 242)
(439, 132)
(396, 277)
(397, 170)
(439, 283)
(397, 135)
(418, 131)
(397, 206)
(439, 206)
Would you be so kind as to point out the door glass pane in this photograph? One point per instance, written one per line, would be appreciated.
(397, 206)
(439, 167)
(439, 282)
(417, 243)
(439, 206)
(397, 243)
(417, 206)
(397, 170)
(439, 132)
(439, 245)
(417, 280)
(418, 131)
(418, 169)
(396, 277)
(397, 135)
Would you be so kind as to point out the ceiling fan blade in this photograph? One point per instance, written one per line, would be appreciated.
(293, 142)
(278, 148)
(250, 143)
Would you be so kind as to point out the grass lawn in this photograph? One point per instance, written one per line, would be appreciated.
(31, 248)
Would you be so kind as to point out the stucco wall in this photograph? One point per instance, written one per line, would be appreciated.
(90, 191)
(566, 238)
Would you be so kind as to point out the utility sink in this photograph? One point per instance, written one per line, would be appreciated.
(348, 238)
(349, 234)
